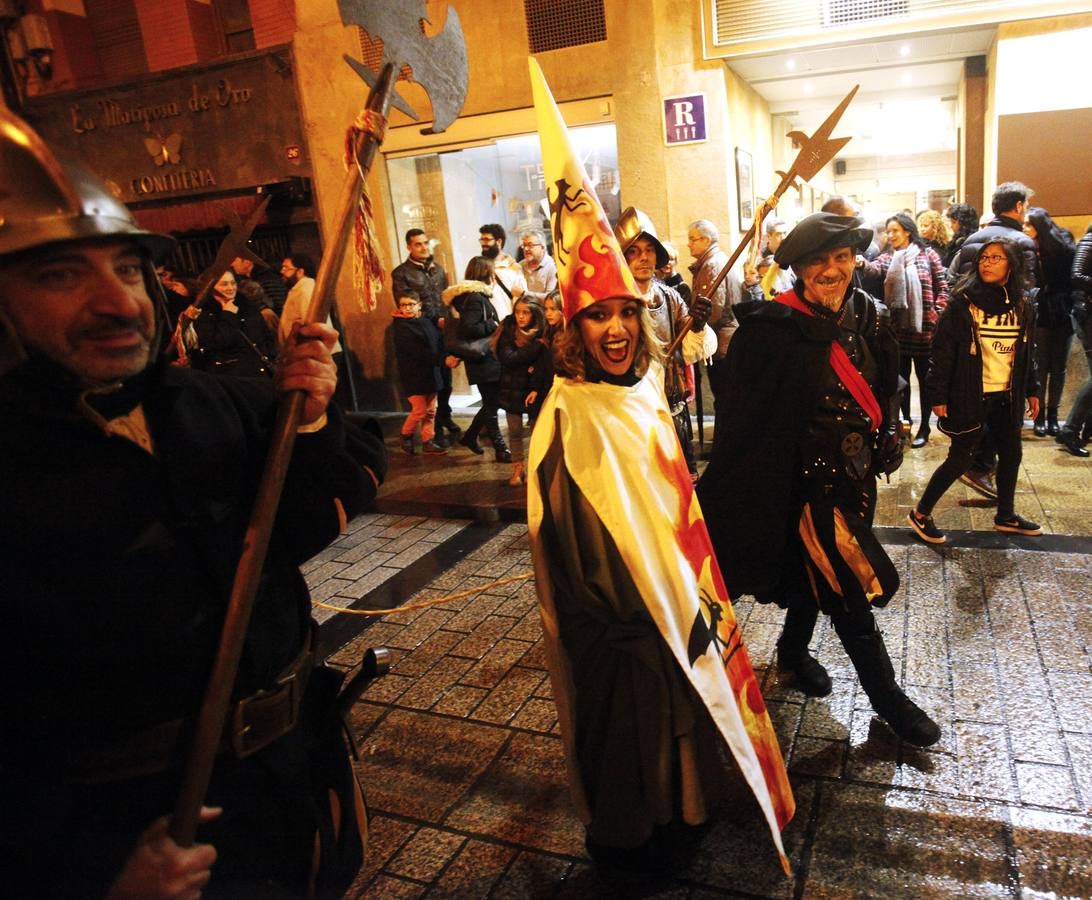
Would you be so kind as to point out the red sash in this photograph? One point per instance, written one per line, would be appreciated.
(843, 367)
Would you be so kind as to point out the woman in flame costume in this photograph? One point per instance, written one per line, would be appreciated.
(650, 676)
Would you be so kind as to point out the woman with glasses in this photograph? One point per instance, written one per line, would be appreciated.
(982, 373)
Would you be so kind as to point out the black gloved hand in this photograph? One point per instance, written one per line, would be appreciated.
(701, 308)
(890, 444)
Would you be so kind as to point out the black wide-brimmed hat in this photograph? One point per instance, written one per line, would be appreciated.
(820, 232)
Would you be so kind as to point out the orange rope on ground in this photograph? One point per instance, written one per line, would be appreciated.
(423, 604)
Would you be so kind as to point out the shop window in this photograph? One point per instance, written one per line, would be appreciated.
(451, 194)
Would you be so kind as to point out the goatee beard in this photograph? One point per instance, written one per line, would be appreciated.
(492, 252)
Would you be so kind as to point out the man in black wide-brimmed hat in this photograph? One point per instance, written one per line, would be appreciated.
(810, 419)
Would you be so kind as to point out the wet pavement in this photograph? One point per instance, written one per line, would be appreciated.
(459, 746)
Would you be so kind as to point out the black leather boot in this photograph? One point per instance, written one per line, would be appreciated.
(1071, 442)
(1052, 422)
(792, 651)
(922, 437)
(1040, 426)
(869, 657)
(470, 437)
(500, 447)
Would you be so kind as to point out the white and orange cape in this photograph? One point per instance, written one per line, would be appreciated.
(621, 450)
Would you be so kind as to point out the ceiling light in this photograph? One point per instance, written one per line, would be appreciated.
(904, 50)
(906, 79)
(790, 64)
(808, 89)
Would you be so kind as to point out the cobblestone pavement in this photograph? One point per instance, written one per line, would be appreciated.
(462, 763)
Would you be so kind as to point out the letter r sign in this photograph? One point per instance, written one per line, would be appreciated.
(684, 119)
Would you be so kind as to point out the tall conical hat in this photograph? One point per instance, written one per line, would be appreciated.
(590, 264)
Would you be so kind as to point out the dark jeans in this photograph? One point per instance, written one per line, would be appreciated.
(1006, 437)
(1081, 413)
(443, 397)
(486, 417)
(921, 369)
(1051, 355)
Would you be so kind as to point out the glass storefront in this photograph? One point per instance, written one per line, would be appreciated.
(451, 194)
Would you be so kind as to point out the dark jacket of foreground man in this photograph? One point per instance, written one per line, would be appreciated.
(116, 566)
(775, 372)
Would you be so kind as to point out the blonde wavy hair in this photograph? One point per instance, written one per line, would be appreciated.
(571, 356)
(942, 231)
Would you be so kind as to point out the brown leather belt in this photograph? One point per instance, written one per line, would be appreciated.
(252, 724)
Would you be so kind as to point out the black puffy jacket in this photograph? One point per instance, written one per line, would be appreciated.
(999, 227)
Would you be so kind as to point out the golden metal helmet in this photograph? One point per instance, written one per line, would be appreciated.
(44, 201)
(632, 224)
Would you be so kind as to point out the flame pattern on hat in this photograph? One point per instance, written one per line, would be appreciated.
(590, 263)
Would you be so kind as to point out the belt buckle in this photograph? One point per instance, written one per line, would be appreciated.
(261, 718)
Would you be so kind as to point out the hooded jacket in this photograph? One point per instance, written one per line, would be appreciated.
(472, 321)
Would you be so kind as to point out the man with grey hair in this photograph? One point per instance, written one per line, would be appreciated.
(776, 280)
(701, 237)
(538, 266)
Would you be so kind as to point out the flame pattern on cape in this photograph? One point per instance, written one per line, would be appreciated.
(694, 544)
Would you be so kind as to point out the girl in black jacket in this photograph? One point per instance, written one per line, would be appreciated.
(1075, 433)
(520, 349)
(981, 372)
(1053, 328)
(468, 333)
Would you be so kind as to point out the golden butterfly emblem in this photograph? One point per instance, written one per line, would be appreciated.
(164, 150)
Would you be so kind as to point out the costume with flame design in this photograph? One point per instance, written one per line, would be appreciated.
(650, 676)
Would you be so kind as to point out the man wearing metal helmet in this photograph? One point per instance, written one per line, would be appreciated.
(645, 254)
(127, 488)
(810, 419)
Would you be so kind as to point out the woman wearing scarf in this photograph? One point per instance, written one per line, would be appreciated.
(916, 291)
(982, 375)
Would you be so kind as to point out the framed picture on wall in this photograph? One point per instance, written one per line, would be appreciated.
(746, 189)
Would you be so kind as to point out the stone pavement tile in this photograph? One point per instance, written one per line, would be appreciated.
(531, 876)
(390, 888)
(737, 850)
(873, 751)
(424, 856)
(367, 565)
(329, 588)
(493, 666)
(1047, 786)
(388, 688)
(818, 757)
(385, 838)
(984, 764)
(1080, 752)
(876, 842)
(476, 611)
(459, 700)
(379, 634)
(505, 700)
(368, 582)
(786, 717)
(1020, 668)
(483, 637)
(925, 770)
(1057, 647)
(423, 627)
(1053, 853)
(363, 717)
(429, 688)
(977, 696)
(474, 871)
(829, 717)
(523, 798)
(1073, 699)
(1033, 729)
(537, 715)
(424, 657)
(535, 658)
(528, 628)
(418, 765)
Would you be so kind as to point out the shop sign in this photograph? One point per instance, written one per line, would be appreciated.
(684, 119)
(213, 127)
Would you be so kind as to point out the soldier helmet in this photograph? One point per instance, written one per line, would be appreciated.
(633, 224)
(44, 201)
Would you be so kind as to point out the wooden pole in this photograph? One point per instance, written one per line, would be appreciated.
(214, 708)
